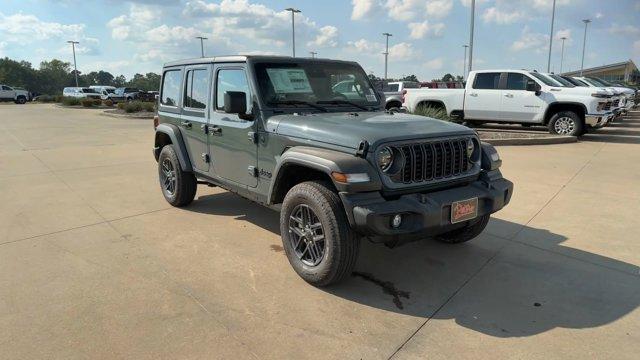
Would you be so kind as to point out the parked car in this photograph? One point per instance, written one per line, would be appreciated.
(627, 95)
(442, 85)
(277, 130)
(17, 95)
(131, 94)
(394, 91)
(105, 91)
(517, 96)
(81, 92)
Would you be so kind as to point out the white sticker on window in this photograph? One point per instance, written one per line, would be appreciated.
(289, 81)
(371, 98)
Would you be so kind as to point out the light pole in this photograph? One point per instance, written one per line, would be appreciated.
(562, 53)
(473, 12)
(584, 43)
(75, 67)
(202, 38)
(553, 17)
(313, 54)
(293, 29)
(464, 62)
(386, 54)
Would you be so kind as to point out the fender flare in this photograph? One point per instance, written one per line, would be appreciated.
(548, 115)
(325, 161)
(176, 139)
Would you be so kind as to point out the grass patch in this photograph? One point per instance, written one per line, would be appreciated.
(436, 112)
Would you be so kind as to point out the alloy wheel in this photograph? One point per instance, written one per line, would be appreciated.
(168, 177)
(306, 235)
(564, 125)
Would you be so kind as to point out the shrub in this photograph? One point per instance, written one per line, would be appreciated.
(46, 98)
(97, 102)
(108, 102)
(121, 105)
(87, 102)
(70, 101)
(436, 112)
(134, 106)
(149, 106)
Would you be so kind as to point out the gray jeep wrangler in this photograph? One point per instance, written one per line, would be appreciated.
(286, 133)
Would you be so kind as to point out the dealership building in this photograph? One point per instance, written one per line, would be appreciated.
(625, 71)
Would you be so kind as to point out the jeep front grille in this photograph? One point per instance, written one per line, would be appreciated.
(607, 105)
(433, 161)
(616, 102)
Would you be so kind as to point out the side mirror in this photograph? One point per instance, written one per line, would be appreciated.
(235, 102)
(533, 86)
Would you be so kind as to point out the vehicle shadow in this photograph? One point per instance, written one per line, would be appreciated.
(496, 286)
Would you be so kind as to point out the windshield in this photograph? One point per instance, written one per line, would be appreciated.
(599, 81)
(574, 81)
(547, 80)
(110, 91)
(88, 90)
(562, 81)
(590, 82)
(314, 82)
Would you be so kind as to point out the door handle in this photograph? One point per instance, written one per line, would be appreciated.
(473, 94)
(508, 95)
(186, 124)
(215, 130)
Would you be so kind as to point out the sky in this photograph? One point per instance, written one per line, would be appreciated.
(138, 36)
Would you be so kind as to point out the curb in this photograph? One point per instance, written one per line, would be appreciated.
(121, 116)
(546, 140)
(80, 107)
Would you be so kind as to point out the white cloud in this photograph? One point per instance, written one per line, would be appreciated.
(362, 8)
(530, 41)
(420, 30)
(435, 64)
(631, 30)
(401, 51)
(467, 3)
(495, 15)
(164, 34)
(326, 38)
(404, 10)
(599, 15)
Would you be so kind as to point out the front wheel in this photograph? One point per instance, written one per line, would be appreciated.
(178, 187)
(566, 123)
(21, 100)
(466, 233)
(320, 245)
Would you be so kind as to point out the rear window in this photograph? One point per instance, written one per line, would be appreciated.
(391, 88)
(486, 81)
(195, 92)
(171, 81)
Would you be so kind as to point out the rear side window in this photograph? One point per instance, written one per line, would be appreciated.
(195, 93)
(391, 88)
(171, 87)
(486, 81)
(231, 80)
(516, 81)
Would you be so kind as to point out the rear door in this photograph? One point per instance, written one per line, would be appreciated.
(233, 151)
(194, 116)
(6, 92)
(518, 104)
(483, 100)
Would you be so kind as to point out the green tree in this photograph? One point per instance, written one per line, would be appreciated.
(411, 77)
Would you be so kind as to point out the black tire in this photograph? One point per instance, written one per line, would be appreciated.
(466, 233)
(21, 100)
(566, 123)
(340, 244)
(183, 190)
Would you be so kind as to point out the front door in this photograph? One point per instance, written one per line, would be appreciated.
(193, 120)
(231, 146)
(483, 100)
(518, 104)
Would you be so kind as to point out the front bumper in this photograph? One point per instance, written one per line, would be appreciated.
(599, 120)
(424, 213)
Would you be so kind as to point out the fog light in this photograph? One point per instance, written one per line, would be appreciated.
(396, 221)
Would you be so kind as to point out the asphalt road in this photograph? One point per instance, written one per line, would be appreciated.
(95, 264)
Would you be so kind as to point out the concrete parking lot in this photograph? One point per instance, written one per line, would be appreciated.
(95, 264)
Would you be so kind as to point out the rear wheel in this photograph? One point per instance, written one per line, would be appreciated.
(320, 245)
(178, 187)
(466, 233)
(566, 123)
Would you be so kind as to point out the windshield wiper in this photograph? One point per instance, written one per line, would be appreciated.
(298, 102)
(347, 102)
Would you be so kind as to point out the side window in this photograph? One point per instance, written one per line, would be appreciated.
(517, 81)
(231, 80)
(5, 87)
(486, 81)
(171, 87)
(195, 92)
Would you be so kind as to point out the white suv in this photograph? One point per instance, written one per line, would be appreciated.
(81, 92)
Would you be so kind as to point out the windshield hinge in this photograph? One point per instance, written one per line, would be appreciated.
(363, 147)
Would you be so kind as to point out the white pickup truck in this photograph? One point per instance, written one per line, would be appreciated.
(518, 96)
(19, 96)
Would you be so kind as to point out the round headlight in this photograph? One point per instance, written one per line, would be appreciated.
(470, 148)
(385, 158)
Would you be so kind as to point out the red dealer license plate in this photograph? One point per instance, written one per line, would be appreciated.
(464, 210)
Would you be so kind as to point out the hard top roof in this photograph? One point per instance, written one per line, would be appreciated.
(244, 58)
